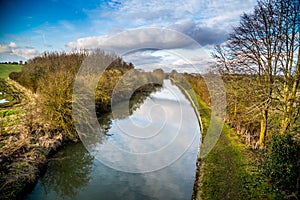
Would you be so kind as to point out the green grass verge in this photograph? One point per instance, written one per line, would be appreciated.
(205, 112)
(6, 69)
(228, 171)
(9, 93)
(6, 113)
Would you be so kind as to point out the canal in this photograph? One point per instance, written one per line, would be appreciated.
(153, 157)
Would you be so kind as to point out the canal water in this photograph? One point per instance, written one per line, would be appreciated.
(162, 150)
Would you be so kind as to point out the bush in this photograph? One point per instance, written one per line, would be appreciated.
(283, 165)
(14, 76)
(52, 76)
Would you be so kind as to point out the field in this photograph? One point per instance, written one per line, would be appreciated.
(6, 69)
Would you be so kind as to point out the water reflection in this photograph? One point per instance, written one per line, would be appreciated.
(68, 172)
(74, 174)
(125, 108)
(154, 136)
(105, 123)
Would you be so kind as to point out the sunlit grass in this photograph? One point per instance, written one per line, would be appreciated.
(6, 113)
(6, 69)
(229, 170)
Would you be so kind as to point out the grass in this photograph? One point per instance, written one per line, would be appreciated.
(6, 113)
(9, 93)
(6, 69)
(230, 170)
(205, 112)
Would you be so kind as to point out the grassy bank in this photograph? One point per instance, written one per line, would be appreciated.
(10, 93)
(231, 170)
(6, 69)
(25, 142)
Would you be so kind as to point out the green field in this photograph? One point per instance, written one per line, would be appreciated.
(6, 69)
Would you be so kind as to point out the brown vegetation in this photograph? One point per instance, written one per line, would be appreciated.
(25, 141)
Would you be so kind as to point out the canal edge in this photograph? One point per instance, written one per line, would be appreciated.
(198, 177)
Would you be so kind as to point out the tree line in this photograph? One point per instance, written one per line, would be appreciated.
(264, 48)
(51, 77)
(260, 64)
(260, 67)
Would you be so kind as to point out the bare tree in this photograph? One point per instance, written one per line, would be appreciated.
(266, 44)
(289, 62)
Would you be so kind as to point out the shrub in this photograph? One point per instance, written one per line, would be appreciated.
(14, 76)
(52, 76)
(283, 164)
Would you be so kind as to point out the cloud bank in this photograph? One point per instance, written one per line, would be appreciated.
(22, 52)
(151, 48)
(135, 39)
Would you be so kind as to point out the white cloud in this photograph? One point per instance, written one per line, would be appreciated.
(13, 49)
(135, 39)
(4, 48)
(7, 48)
(152, 48)
(207, 21)
(209, 12)
(87, 42)
(26, 53)
(12, 45)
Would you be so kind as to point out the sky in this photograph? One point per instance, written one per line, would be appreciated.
(154, 33)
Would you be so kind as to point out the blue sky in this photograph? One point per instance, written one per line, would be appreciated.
(30, 27)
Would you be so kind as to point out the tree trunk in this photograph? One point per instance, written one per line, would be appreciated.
(285, 122)
(235, 110)
(289, 99)
(263, 128)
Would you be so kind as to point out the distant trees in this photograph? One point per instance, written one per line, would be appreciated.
(198, 84)
(266, 45)
(159, 74)
(13, 63)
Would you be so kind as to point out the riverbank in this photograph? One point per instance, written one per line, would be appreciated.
(232, 169)
(26, 142)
